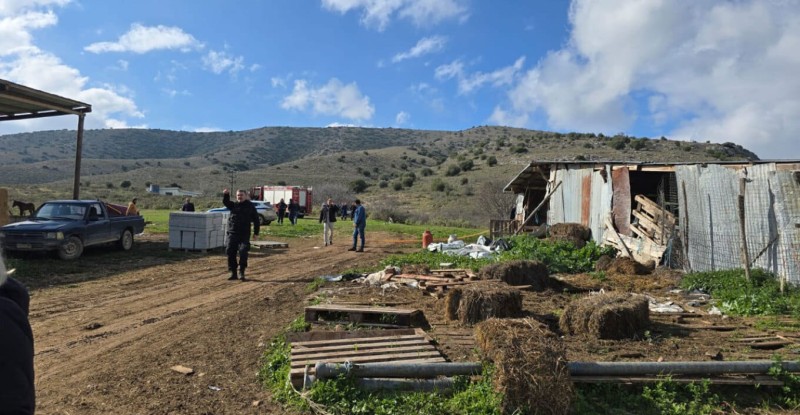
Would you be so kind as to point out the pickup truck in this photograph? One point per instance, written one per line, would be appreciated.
(67, 226)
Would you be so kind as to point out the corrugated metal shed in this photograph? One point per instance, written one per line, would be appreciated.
(708, 211)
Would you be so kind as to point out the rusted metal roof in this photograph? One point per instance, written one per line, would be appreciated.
(18, 102)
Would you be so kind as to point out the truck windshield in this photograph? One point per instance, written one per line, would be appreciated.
(61, 211)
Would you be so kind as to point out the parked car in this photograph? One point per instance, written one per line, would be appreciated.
(67, 226)
(266, 213)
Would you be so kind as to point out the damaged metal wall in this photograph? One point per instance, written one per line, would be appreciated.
(583, 197)
(710, 225)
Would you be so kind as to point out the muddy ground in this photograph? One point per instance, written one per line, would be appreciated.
(109, 327)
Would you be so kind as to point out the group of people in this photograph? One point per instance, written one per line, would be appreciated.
(293, 208)
(328, 214)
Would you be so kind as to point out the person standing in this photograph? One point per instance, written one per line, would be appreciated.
(359, 224)
(17, 388)
(188, 206)
(294, 208)
(344, 211)
(132, 210)
(281, 211)
(327, 216)
(242, 213)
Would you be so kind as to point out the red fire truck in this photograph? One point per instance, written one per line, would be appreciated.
(301, 195)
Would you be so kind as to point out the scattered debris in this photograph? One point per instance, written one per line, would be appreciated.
(214, 388)
(92, 326)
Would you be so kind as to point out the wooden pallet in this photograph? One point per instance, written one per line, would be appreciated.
(269, 244)
(367, 346)
(369, 316)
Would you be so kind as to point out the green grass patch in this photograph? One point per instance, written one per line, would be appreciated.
(737, 296)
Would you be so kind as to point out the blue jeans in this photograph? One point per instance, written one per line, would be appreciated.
(358, 230)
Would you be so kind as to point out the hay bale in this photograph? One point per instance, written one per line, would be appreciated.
(478, 301)
(521, 272)
(575, 230)
(628, 266)
(606, 316)
(530, 365)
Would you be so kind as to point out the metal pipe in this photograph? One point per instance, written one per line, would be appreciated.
(684, 368)
(439, 385)
(396, 370)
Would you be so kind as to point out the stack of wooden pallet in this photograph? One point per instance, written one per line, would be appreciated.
(439, 281)
(653, 227)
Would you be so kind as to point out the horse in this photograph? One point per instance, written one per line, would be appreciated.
(24, 207)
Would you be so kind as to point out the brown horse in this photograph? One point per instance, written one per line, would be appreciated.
(24, 207)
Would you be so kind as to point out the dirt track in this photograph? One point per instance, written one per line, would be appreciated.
(107, 345)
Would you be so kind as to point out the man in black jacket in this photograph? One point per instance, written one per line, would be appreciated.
(243, 212)
(17, 394)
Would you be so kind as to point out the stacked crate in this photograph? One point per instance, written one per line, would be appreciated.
(197, 230)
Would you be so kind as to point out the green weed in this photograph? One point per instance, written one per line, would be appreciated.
(735, 295)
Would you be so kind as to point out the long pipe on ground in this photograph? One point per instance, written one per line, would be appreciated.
(440, 385)
(684, 368)
(396, 370)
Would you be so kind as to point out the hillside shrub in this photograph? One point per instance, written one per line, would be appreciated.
(452, 170)
(491, 161)
(466, 165)
(358, 186)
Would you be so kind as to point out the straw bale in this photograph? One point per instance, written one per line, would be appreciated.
(575, 230)
(628, 266)
(530, 365)
(478, 301)
(606, 316)
(521, 272)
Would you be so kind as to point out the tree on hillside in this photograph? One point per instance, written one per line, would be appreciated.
(495, 202)
(336, 191)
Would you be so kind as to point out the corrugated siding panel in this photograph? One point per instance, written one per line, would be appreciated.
(787, 214)
(567, 198)
(709, 218)
(567, 204)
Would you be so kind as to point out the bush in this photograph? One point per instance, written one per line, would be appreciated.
(466, 165)
(491, 161)
(426, 171)
(358, 186)
(125, 184)
(438, 185)
(452, 170)
(735, 295)
(397, 186)
(383, 184)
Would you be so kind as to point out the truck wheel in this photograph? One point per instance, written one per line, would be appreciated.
(266, 222)
(71, 249)
(262, 220)
(126, 240)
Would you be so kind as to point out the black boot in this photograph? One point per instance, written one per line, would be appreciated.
(233, 276)
(241, 275)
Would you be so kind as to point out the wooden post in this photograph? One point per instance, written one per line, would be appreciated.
(742, 228)
(76, 184)
(3, 206)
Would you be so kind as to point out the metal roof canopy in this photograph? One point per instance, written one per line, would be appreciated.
(541, 169)
(18, 102)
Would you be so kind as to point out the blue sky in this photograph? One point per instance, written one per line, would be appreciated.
(694, 70)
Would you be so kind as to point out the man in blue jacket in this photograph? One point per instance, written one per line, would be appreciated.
(359, 223)
(17, 394)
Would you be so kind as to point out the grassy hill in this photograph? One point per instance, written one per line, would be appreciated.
(409, 174)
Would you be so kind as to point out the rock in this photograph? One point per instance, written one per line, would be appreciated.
(256, 403)
(714, 355)
(182, 369)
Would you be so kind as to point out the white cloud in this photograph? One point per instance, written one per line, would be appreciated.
(425, 46)
(379, 13)
(219, 62)
(402, 118)
(21, 61)
(470, 82)
(143, 39)
(333, 98)
(712, 70)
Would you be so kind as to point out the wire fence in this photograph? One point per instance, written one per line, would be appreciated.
(695, 250)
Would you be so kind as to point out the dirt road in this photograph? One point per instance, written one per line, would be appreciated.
(106, 345)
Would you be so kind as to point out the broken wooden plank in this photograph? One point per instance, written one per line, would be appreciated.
(269, 244)
(375, 316)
